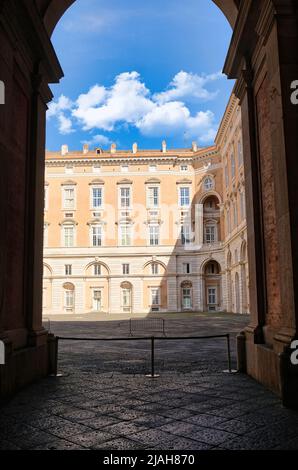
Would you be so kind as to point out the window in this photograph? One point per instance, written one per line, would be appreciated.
(152, 168)
(212, 296)
(184, 197)
(124, 168)
(96, 231)
(126, 299)
(97, 270)
(212, 268)
(68, 235)
(186, 268)
(68, 270)
(184, 168)
(153, 235)
(97, 198)
(210, 234)
(68, 198)
(96, 300)
(125, 197)
(186, 298)
(240, 153)
(125, 268)
(69, 299)
(155, 296)
(125, 235)
(186, 235)
(208, 183)
(233, 166)
(154, 268)
(153, 197)
(69, 215)
(227, 175)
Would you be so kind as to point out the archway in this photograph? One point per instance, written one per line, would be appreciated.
(237, 293)
(212, 286)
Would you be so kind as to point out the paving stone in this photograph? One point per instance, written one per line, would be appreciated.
(91, 438)
(68, 430)
(205, 420)
(120, 444)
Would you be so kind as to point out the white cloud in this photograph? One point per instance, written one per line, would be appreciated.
(98, 139)
(65, 124)
(62, 104)
(189, 86)
(128, 102)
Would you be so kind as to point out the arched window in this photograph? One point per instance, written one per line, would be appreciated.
(69, 297)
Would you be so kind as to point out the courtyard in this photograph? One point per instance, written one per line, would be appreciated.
(105, 401)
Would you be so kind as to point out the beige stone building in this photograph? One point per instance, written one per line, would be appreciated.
(147, 230)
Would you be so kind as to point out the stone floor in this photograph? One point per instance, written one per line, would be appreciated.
(105, 401)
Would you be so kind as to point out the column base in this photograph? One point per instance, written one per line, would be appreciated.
(269, 366)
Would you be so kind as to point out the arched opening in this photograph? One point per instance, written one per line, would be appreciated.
(126, 297)
(212, 286)
(244, 286)
(69, 301)
(237, 293)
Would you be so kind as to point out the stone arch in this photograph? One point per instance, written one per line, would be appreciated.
(52, 11)
(97, 263)
(160, 263)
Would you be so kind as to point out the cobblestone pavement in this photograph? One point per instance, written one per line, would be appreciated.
(105, 401)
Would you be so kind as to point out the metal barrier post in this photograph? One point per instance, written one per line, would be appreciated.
(152, 375)
(229, 370)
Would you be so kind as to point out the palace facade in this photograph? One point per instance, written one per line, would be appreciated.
(147, 230)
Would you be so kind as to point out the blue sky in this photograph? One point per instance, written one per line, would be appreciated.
(139, 72)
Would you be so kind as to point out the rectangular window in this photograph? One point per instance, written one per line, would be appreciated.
(68, 270)
(124, 169)
(96, 198)
(96, 300)
(97, 270)
(125, 269)
(184, 197)
(184, 168)
(210, 234)
(212, 296)
(186, 268)
(69, 299)
(153, 197)
(154, 268)
(152, 168)
(155, 296)
(125, 197)
(186, 298)
(125, 235)
(69, 236)
(154, 235)
(228, 222)
(68, 198)
(97, 235)
(186, 235)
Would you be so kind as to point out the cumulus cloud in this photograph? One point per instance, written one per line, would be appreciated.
(98, 139)
(128, 102)
(189, 86)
